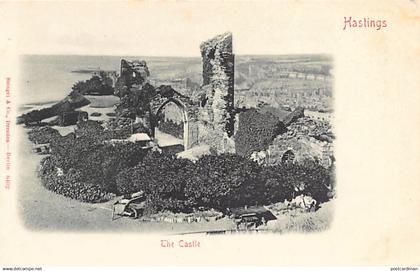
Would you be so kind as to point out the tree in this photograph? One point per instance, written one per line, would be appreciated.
(97, 85)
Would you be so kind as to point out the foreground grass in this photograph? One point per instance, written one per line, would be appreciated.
(104, 101)
(306, 222)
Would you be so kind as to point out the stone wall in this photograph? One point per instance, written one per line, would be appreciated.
(210, 114)
(218, 79)
(303, 148)
(217, 114)
(136, 72)
(166, 95)
(307, 139)
(307, 126)
(132, 74)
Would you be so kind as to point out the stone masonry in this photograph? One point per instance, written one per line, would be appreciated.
(209, 119)
(218, 78)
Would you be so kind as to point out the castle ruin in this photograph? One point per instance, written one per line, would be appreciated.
(208, 119)
(218, 81)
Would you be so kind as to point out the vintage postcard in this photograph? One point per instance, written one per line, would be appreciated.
(210, 133)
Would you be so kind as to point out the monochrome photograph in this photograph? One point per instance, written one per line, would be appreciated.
(215, 144)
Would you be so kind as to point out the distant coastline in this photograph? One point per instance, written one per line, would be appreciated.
(91, 70)
(32, 106)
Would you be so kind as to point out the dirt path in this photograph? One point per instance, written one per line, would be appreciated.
(41, 209)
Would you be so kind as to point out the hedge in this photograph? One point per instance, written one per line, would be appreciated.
(87, 169)
(163, 178)
(220, 182)
(70, 184)
(256, 131)
(96, 163)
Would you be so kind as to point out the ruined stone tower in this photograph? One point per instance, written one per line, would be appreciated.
(218, 81)
(209, 117)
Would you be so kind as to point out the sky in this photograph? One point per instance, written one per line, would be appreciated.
(168, 28)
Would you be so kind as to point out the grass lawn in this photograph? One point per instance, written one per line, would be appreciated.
(102, 101)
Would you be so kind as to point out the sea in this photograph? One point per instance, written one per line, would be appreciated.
(48, 78)
(45, 79)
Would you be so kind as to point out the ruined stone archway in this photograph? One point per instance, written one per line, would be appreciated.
(185, 119)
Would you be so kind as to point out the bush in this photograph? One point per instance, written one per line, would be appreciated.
(315, 178)
(256, 132)
(162, 177)
(220, 182)
(224, 181)
(70, 185)
(156, 174)
(98, 163)
(94, 86)
(89, 177)
(277, 185)
(43, 135)
(89, 169)
(289, 180)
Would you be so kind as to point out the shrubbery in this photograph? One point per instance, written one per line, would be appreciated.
(43, 135)
(71, 184)
(88, 165)
(289, 180)
(98, 163)
(162, 177)
(87, 169)
(220, 182)
(256, 131)
(223, 181)
(97, 85)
